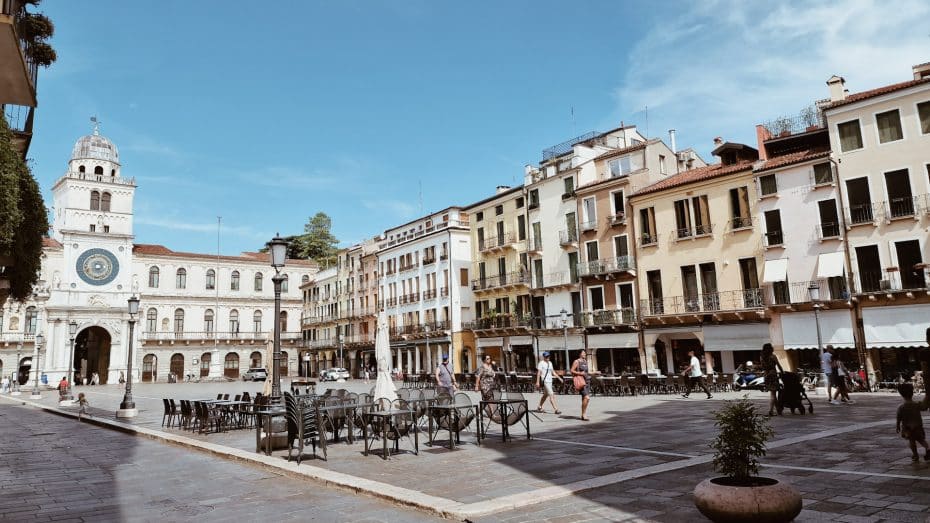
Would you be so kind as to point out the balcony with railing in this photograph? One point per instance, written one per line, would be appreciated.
(20, 70)
(534, 245)
(504, 280)
(429, 260)
(553, 280)
(905, 207)
(317, 320)
(500, 322)
(429, 294)
(609, 318)
(614, 220)
(588, 226)
(8, 339)
(20, 118)
(118, 180)
(444, 292)
(568, 237)
(773, 239)
(647, 240)
(895, 279)
(565, 147)
(863, 213)
(205, 337)
(606, 266)
(740, 223)
(711, 303)
(828, 231)
(493, 243)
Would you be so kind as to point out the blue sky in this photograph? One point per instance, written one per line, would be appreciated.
(265, 115)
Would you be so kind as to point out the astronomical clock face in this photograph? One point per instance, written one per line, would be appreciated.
(97, 266)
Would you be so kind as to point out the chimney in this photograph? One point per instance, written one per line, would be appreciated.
(837, 85)
(502, 188)
(671, 140)
(921, 71)
(718, 141)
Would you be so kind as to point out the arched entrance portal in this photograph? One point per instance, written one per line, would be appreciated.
(92, 354)
(149, 366)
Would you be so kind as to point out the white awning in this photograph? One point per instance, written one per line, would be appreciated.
(748, 336)
(557, 343)
(490, 342)
(830, 264)
(775, 270)
(625, 340)
(898, 326)
(800, 329)
(521, 340)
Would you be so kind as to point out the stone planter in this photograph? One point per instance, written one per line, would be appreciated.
(767, 501)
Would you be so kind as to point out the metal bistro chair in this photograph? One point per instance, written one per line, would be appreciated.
(187, 414)
(494, 415)
(402, 425)
(170, 412)
(302, 428)
(333, 419)
(465, 412)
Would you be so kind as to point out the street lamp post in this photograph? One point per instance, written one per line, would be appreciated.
(72, 331)
(127, 409)
(564, 316)
(429, 357)
(19, 355)
(278, 248)
(40, 339)
(341, 341)
(814, 291)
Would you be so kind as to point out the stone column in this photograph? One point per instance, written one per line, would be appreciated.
(416, 358)
(429, 359)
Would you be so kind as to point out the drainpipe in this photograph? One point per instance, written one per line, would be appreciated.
(858, 326)
(637, 304)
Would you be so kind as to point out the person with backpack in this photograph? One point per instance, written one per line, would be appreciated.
(445, 380)
(544, 377)
(582, 382)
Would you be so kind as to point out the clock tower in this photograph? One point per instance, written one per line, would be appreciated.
(93, 221)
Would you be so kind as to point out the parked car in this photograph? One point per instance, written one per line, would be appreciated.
(334, 374)
(256, 374)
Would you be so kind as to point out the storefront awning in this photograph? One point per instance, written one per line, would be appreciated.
(898, 326)
(830, 265)
(748, 336)
(775, 270)
(520, 340)
(491, 342)
(626, 340)
(800, 330)
(557, 343)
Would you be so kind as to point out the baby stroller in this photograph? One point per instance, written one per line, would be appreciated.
(792, 395)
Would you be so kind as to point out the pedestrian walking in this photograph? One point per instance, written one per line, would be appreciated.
(486, 379)
(544, 383)
(910, 425)
(694, 375)
(83, 403)
(5, 385)
(826, 367)
(771, 368)
(841, 375)
(445, 380)
(582, 382)
(122, 380)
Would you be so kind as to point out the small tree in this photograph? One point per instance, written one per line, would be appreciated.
(741, 440)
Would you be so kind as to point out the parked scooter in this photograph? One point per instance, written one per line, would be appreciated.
(747, 378)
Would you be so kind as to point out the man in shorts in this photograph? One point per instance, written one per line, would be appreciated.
(694, 375)
(826, 367)
(544, 377)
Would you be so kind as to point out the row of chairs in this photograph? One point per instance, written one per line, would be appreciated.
(204, 416)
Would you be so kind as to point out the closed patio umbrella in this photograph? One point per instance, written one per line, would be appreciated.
(384, 387)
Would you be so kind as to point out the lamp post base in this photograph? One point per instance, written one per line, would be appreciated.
(127, 413)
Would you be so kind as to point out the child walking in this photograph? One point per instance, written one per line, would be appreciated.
(82, 401)
(910, 425)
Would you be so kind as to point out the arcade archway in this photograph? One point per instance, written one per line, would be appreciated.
(92, 354)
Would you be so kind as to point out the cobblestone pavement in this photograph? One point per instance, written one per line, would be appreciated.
(648, 453)
(57, 469)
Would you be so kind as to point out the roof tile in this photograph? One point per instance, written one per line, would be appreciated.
(864, 95)
(695, 175)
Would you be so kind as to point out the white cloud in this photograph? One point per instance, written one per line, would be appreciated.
(720, 67)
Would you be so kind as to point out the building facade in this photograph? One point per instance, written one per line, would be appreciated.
(193, 306)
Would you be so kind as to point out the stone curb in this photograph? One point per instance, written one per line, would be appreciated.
(442, 507)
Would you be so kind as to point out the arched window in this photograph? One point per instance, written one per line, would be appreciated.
(231, 365)
(98, 170)
(153, 277)
(151, 320)
(211, 279)
(234, 281)
(284, 283)
(255, 360)
(178, 322)
(177, 365)
(283, 321)
(257, 322)
(234, 322)
(95, 200)
(32, 320)
(258, 281)
(105, 202)
(305, 279)
(112, 172)
(208, 321)
(180, 279)
(204, 364)
(81, 169)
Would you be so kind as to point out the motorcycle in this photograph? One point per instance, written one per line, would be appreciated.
(748, 380)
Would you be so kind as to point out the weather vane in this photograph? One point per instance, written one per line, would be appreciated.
(96, 123)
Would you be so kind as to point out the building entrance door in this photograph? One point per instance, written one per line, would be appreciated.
(92, 354)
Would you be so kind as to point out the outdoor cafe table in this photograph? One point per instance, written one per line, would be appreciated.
(505, 407)
(266, 416)
(451, 414)
(389, 417)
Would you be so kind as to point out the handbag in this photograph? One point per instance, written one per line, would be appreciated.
(579, 382)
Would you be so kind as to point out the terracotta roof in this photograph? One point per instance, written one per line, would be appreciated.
(252, 257)
(855, 97)
(695, 175)
(793, 158)
(50, 243)
(618, 152)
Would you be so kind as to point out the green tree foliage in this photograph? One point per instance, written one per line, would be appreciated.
(317, 242)
(36, 29)
(23, 218)
(741, 440)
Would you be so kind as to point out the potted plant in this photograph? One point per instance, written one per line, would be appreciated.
(741, 494)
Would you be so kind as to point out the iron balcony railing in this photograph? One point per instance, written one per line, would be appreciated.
(558, 150)
(809, 118)
(597, 267)
(895, 279)
(648, 239)
(503, 321)
(553, 279)
(588, 225)
(861, 213)
(567, 237)
(902, 207)
(495, 242)
(555, 321)
(740, 222)
(210, 335)
(535, 244)
(799, 291)
(493, 282)
(773, 238)
(19, 117)
(623, 316)
(828, 230)
(709, 302)
(444, 292)
(616, 219)
(429, 260)
(429, 294)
